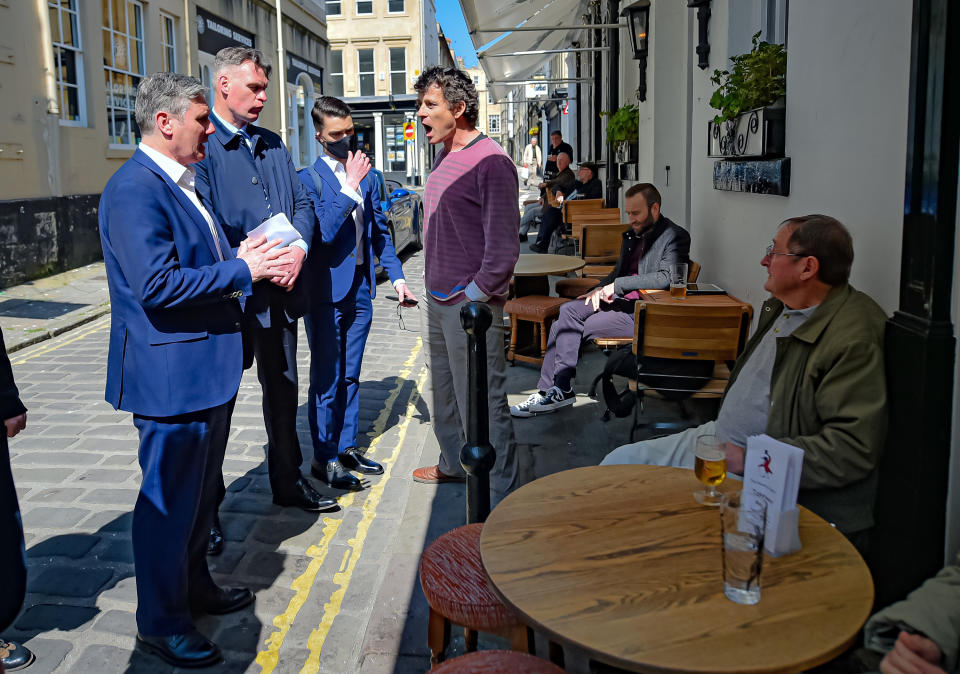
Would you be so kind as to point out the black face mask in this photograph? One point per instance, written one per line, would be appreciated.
(339, 148)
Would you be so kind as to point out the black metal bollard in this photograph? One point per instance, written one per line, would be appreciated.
(477, 456)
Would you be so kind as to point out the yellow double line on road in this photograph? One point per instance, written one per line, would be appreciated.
(269, 657)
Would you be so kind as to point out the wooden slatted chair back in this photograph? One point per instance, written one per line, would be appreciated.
(690, 332)
(600, 243)
(580, 206)
(693, 271)
(604, 216)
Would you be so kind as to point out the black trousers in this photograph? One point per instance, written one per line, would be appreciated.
(13, 561)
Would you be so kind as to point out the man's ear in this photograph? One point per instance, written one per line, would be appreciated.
(655, 211)
(163, 121)
(458, 109)
(810, 269)
(223, 84)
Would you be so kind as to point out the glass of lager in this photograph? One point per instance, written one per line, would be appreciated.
(678, 280)
(710, 468)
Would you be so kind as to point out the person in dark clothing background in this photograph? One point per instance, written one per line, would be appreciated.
(13, 560)
(588, 185)
(554, 191)
(557, 145)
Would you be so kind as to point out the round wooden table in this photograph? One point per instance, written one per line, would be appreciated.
(531, 272)
(621, 562)
(532, 264)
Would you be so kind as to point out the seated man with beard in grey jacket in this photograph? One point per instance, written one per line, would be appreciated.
(651, 244)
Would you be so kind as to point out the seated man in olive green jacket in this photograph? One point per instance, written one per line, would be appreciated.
(812, 376)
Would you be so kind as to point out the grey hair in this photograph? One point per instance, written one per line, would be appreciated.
(237, 56)
(167, 92)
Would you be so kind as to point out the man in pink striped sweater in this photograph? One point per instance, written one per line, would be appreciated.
(471, 216)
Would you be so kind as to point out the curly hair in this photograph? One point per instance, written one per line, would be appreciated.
(456, 86)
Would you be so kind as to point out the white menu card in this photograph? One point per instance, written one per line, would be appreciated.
(771, 477)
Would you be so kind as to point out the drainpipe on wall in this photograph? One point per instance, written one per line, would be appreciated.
(186, 38)
(50, 120)
(282, 72)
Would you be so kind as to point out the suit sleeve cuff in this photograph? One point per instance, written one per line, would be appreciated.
(474, 293)
(352, 193)
(301, 244)
(396, 284)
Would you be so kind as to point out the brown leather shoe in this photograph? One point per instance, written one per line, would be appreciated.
(432, 475)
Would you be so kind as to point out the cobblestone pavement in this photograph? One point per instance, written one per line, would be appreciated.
(316, 576)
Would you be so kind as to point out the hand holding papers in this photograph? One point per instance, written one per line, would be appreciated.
(771, 476)
(277, 227)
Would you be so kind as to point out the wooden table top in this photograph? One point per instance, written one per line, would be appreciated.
(532, 264)
(622, 562)
(663, 297)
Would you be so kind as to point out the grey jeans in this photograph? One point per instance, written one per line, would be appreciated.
(445, 350)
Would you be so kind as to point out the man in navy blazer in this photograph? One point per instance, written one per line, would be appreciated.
(247, 177)
(342, 283)
(175, 359)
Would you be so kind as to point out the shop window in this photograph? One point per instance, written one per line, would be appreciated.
(398, 70)
(336, 73)
(168, 43)
(365, 72)
(68, 60)
(124, 66)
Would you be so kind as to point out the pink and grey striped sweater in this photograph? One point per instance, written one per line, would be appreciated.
(471, 218)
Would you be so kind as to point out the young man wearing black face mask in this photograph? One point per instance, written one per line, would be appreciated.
(341, 282)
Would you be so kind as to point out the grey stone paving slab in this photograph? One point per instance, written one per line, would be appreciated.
(50, 654)
(65, 617)
(116, 622)
(74, 546)
(111, 496)
(55, 495)
(52, 518)
(50, 455)
(65, 581)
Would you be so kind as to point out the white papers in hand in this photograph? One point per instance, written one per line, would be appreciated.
(277, 227)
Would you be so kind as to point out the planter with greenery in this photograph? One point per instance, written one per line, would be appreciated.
(623, 127)
(750, 98)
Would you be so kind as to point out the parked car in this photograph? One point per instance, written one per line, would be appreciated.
(404, 213)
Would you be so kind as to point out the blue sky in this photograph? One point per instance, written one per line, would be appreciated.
(454, 27)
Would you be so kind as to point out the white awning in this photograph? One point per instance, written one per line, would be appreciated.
(484, 14)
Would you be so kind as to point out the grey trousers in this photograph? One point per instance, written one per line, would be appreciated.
(578, 322)
(678, 450)
(530, 214)
(445, 349)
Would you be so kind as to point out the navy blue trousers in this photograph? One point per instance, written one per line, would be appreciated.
(180, 458)
(13, 561)
(337, 335)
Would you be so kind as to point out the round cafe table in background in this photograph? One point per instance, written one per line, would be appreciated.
(531, 272)
(623, 563)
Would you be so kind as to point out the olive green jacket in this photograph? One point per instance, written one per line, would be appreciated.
(933, 609)
(828, 396)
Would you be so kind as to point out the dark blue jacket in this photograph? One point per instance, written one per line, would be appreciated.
(175, 344)
(332, 263)
(232, 181)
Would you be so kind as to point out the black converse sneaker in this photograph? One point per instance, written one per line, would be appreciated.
(544, 403)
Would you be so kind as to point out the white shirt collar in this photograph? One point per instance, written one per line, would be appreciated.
(334, 165)
(177, 171)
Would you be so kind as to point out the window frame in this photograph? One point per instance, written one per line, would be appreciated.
(490, 118)
(356, 7)
(402, 73)
(326, 7)
(58, 44)
(372, 72)
(334, 74)
(168, 50)
(402, 10)
(108, 30)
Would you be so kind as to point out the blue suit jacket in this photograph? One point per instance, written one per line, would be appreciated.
(175, 344)
(332, 263)
(233, 181)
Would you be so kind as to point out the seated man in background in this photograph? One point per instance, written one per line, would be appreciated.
(651, 244)
(588, 186)
(551, 213)
(811, 376)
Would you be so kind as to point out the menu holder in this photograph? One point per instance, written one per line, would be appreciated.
(771, 479)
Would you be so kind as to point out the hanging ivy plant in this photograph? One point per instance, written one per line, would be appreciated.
(756, 79)
(623, 125)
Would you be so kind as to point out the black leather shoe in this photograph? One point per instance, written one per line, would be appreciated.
(336, 476)
(15, 656)
(182, 650)
(304, 496)
(215, 544)
(222, 600)
(352, 459)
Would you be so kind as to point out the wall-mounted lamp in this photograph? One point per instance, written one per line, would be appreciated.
(638, 18)
(703, 23)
